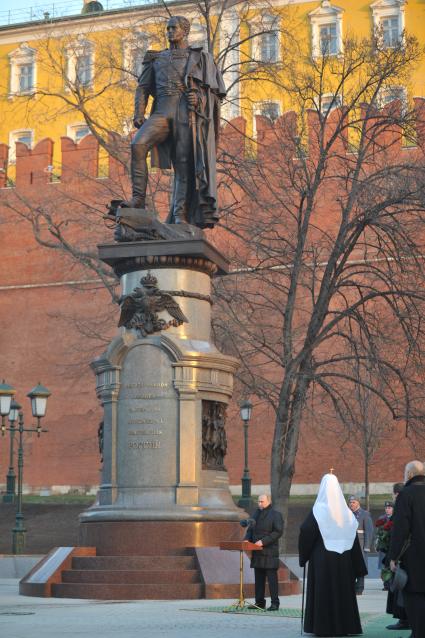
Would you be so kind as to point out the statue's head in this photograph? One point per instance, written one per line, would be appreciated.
(178, 28)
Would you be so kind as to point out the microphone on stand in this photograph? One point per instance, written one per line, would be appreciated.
(249, 523)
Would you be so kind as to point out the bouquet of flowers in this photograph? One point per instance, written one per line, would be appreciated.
(383, 535)
(382, 543)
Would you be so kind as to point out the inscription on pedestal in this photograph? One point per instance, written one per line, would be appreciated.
(147, 414)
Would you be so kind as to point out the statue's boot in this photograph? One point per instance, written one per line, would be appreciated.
(134, 202)
(139, 177)
(180, 198)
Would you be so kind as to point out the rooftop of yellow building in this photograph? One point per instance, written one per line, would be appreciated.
(73, 10)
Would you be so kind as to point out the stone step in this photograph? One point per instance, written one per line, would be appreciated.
(283, 573)
(131, 577)
(137, 563)
(108, 591)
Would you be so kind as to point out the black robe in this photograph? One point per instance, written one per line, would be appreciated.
(331, 606)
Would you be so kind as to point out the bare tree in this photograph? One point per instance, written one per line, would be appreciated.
(365, 426)
(327, 235)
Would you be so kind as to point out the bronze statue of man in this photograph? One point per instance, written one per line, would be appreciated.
(182, 130)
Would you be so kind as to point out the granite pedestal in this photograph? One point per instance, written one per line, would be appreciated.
(159, 471)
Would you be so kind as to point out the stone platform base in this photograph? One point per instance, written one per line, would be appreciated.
(149, 560)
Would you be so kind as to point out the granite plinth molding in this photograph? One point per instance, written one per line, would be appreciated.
(155, 538)
(193, 254)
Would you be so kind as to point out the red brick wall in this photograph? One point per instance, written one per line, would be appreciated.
(41, 341)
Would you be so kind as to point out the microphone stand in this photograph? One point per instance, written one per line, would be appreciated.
(302, 603)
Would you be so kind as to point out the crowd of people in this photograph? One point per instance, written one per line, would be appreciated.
(335, 540)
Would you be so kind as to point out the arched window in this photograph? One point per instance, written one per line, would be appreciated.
(22, 70)
(388, 21)
(265, 39)
(134, 49)
(326, 29)
(25, 136)
(198, 36)
(80, 63)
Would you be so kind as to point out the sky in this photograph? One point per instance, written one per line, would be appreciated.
(20, 10)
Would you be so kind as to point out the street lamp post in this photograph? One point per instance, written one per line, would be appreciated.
(38, 397)
(9, 497)
(246, 501)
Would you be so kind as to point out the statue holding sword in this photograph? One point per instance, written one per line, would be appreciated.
(182, 130)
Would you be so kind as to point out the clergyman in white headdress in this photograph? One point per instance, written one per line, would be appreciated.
(328, 542)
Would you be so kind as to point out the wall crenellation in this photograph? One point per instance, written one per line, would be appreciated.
(80, 161)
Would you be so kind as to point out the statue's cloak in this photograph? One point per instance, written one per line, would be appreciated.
(201, 73)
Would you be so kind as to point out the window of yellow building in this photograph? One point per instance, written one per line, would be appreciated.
(326, 29)
(388, 21)
(22, 70)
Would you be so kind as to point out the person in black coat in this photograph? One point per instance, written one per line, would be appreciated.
(393, 607)
(328, 542)
(409, 531)
(265, 533)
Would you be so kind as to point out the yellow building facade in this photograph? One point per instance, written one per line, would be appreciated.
(61, 76)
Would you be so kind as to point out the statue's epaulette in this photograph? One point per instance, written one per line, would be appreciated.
(151, 55)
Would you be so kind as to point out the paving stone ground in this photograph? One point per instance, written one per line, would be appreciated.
(21, 617)
(53, 525)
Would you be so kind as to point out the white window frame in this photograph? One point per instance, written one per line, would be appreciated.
(229, 35)
(257, 110)
(328, 98)
(326, 14)
(74, 51)
(382, 9)
(333, 48)
(266, 22)
(24, 55)
(72, 130)
(14, 136)
(389, 94)
(198, 36)
(137, 41)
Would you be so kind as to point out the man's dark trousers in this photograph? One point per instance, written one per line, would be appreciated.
(415, 608)
(260, 586)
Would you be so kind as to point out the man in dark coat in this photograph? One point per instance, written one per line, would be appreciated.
(329, 543)
(265, 533)
(392, 605)
(409, 531)
(182, 129)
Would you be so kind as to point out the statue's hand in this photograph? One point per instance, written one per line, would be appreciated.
(138, 121)
(192, 99)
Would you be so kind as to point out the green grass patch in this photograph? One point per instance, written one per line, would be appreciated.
(230, 609)
(59, 499)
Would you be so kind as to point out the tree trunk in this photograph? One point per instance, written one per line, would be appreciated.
(283, 464)
(366, 481)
